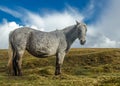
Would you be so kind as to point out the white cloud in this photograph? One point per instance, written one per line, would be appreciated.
(107, 28)
(5, 29)
(33, 19)
(53, 20)
(110, 21)
(90, 8)
(9, 11)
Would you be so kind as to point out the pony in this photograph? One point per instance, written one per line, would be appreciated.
(43, 44)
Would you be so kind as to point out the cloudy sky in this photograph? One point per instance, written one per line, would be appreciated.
(101, 16)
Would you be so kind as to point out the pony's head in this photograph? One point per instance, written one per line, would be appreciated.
(81, 29)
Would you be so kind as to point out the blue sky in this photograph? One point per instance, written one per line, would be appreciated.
(42, 6)
(101, 16)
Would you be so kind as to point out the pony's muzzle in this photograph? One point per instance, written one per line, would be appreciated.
(82, 42)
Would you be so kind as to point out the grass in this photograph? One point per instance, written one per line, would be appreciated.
(82, 67)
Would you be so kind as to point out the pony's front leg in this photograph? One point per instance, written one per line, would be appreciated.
(59, 61)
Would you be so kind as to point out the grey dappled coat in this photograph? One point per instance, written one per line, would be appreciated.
(43, 44)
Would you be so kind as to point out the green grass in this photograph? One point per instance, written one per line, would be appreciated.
(82, 67)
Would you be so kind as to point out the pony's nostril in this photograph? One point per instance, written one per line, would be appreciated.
(82, 42)
(85, 41)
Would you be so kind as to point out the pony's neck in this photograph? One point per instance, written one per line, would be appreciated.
(71, 35)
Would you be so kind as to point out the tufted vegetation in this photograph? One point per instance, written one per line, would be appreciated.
(82, 67)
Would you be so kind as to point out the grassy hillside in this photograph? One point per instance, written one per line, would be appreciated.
(82, 67)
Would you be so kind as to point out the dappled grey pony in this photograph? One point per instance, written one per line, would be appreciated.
(42, 44)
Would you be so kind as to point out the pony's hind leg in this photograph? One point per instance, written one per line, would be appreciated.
(15, 65)
(17, 62)
(21, 52)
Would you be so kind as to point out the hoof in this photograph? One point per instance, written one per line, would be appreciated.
(20, 74)
(57, 73)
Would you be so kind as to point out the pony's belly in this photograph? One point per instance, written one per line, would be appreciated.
(41, 55)
(42, 52)
(42, 44)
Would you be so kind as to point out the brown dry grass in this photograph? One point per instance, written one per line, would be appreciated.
(82, 67)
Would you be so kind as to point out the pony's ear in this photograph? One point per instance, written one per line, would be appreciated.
(77, 22)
